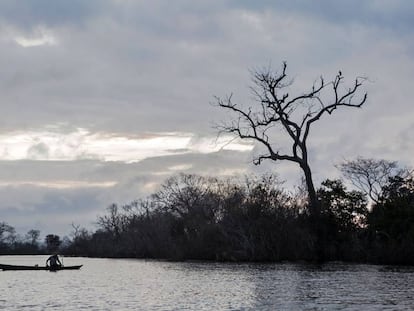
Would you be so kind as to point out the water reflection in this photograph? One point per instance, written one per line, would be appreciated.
(105, 284)
(334, 287)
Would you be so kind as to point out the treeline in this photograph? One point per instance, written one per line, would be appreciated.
(196, 217)
(12, 243)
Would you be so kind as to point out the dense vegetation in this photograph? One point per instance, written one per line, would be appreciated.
(195, 217)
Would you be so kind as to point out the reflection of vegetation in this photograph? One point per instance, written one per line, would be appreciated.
(194, 217)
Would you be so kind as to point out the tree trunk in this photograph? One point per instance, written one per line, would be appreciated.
(315, 215)
(313, 199)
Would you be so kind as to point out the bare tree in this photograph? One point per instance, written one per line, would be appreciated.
(33, 236)
(186, 194)
(371, 175)
(274, 108)
(7, 234)
(113, 223)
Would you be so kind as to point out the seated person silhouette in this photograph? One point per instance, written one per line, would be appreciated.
(53, 262)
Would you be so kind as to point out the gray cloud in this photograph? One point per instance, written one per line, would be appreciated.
(396, 15)
(27, 13)
(136, 68)
(38, 150)
(32, 193)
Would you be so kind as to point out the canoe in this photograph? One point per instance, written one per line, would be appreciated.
(17, 267)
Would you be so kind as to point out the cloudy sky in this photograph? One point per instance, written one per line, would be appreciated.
(101, 100)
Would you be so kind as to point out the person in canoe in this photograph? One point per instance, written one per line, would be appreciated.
(53, 262)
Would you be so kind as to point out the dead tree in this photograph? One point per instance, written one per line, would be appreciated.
(371, 175)
(274, 108)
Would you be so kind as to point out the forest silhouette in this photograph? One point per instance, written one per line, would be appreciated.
(193, 217)
(256, 219)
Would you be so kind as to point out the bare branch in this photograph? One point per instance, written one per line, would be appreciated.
(370, 175)
(275, 106)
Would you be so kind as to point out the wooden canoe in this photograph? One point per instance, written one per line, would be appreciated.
(17, 267)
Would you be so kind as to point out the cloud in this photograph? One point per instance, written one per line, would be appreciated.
(58, 184)
(103, 100)
(30, 42)
(38, 151)
(55, 144)
(50, 195)
(28, 13)
(40, 36)
(393, 15)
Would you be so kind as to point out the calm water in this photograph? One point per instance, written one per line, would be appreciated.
(117, 284)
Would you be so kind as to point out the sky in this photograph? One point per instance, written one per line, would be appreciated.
(103, 100)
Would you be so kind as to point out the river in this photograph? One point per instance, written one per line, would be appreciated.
(122, 284)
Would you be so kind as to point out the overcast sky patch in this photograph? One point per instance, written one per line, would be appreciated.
(102, 100)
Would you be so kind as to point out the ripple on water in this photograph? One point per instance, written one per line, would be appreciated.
(110, 284)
